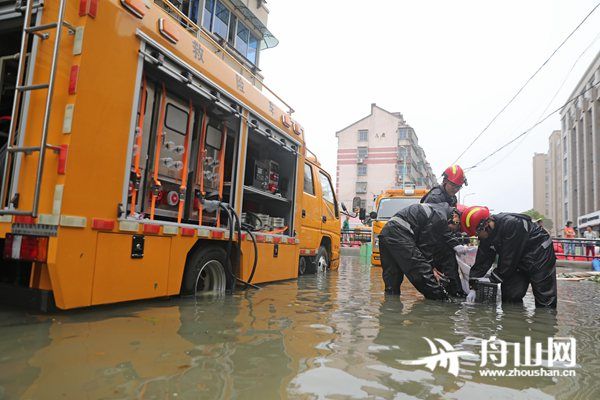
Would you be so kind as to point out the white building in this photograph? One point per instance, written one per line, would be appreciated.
(581, 147)
(378, 152)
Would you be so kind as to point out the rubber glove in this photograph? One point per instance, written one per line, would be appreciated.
(471, 296)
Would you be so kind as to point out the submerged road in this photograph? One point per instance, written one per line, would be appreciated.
(331, 335)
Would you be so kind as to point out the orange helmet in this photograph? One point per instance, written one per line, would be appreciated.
(472, 217)
(455, 174)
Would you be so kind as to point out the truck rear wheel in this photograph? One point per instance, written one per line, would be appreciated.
(302, 266)
(205, 272)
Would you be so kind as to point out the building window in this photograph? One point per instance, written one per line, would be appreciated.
(363, 135)
(403, 133)
(246, 43)
(565, 166)
(361, 187)
(362, 169)
(252, 54)
(209, 7)
(363, 152)
(218, 19)
(363, 203)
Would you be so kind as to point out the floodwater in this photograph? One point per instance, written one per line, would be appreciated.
(331, 335)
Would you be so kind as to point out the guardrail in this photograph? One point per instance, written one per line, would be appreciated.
(576, 249)
(355, 237)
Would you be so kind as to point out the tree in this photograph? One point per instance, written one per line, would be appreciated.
(535, 215)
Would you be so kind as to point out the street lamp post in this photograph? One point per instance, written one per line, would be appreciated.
(404, 165)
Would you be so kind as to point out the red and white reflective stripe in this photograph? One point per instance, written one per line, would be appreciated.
(188, 232)
(16, 246)
(204, 233)
(306, 252)
(78, 41)
(73, 78)
(72, 221)
(129, 226)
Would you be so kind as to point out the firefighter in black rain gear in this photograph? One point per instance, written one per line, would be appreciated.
(454, 179)
(406, 244)
(526, 255)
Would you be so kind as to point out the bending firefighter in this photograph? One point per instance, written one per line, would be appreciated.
(454, 179)
(525, 255)
(407, 243)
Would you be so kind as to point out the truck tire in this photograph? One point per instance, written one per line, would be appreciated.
(302, 266)
(321, 260)
(206, 270)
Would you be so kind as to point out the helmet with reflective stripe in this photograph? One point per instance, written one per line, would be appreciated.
(472, 217)
(455, 174)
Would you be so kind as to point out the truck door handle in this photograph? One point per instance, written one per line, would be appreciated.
(324, 218)
(303, 213)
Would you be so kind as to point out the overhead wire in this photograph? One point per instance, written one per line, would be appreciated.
(549, 102)
(527, 82)
(532, 127)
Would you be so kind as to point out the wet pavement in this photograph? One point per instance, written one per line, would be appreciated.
(331, 335)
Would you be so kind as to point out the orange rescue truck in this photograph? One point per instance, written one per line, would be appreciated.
(387, 204)
(132, 154)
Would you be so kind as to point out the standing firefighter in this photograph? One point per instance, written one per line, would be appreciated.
(454, 179)
(407, 242)
(525, 255)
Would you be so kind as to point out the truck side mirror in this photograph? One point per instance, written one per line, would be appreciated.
(362, 214)
(373, 215)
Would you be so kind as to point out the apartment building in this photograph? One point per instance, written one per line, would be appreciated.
(238, 26)
(541, 180)
(378, 152)
(573, 171)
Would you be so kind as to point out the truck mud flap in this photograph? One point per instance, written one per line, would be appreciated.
(22, 297)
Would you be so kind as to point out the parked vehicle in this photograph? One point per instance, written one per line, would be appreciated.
(135, 156)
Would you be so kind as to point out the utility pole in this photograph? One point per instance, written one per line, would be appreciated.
(403, 165)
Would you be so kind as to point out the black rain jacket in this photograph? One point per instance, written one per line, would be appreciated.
(438, 195)
(519, 243)
(429, 225)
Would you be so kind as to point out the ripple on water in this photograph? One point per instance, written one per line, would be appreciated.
(331, 335)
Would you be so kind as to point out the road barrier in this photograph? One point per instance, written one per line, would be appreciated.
(576, 249)
(355, 237)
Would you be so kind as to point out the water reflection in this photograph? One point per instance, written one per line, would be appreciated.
(331, 335)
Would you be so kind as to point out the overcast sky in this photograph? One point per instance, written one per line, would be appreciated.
(448, 66)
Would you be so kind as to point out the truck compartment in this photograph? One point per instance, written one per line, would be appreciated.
(185, 151)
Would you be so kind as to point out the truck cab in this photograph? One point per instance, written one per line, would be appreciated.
(387, 204)
(319, 220)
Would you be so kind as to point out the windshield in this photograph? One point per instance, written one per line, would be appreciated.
(389, 207)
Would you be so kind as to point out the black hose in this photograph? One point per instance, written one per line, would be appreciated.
(255, 216)
(229, 269)
(239, 230)
(255, 255)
